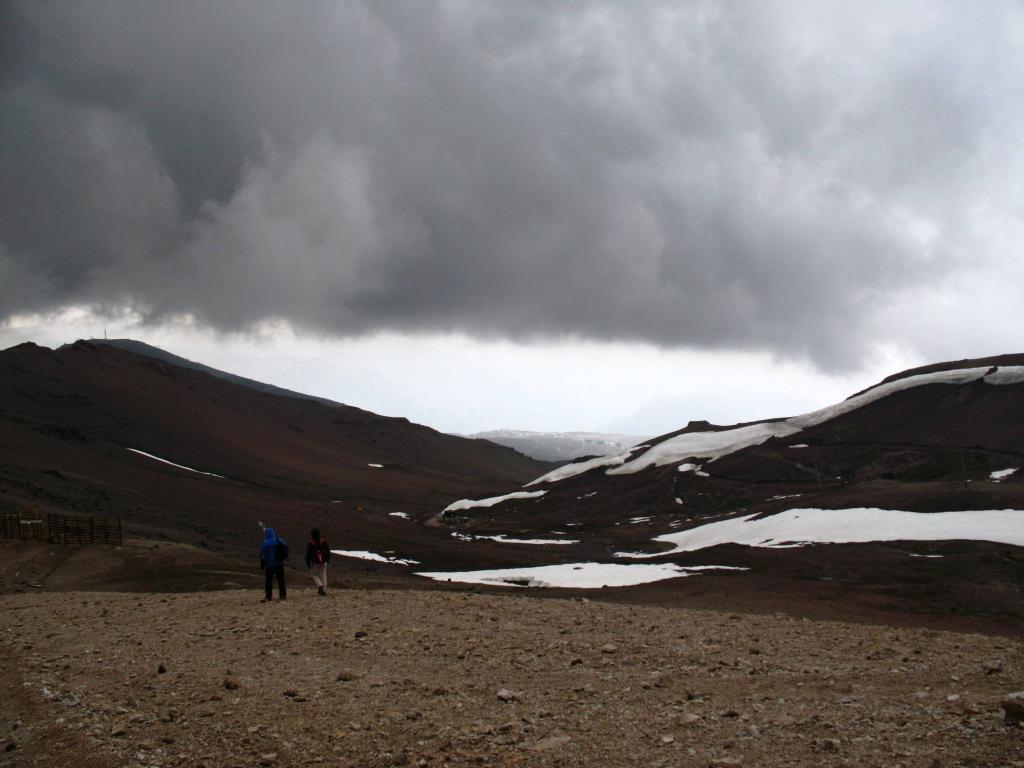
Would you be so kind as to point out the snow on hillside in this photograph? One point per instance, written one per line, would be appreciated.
(503, 539)
(576, 575)
(362, 554)
(569, 470)
(796, 527)
(714, 445)
(179, 466)
(457, 506)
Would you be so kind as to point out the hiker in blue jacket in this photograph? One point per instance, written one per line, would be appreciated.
(273, 553)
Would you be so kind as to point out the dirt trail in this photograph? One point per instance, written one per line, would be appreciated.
(386, 678)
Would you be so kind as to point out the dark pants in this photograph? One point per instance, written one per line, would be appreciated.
(278, 571)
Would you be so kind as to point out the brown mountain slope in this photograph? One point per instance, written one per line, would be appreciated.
(68, 419)
(929, 448)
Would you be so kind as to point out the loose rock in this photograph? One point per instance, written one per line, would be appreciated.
(1013, 708)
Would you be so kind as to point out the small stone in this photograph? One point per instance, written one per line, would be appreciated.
(161, 670)
(993, 667)
(118, 729)
(345, 675)
(268, 758)
(1013, 708)
(551, 742)
(11, 745)
(828, 745)
(576, 662)
(609, 648)
(232, 683)
(506, 695)
(667, 739)
(361, 634)
(689, 718)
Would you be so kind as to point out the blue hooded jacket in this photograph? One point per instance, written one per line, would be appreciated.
(268, 549)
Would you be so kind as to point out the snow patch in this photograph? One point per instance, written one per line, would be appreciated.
(800, 445)
(376, 466)
(179, 466)
(362, 554)
(999, 474)
(708, 445)
(695, 468)
(473, 503)
(797, 527)
(576, 575)
(402, 515)
(503, 539)
(579, 467)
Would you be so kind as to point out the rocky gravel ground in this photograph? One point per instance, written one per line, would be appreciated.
(405, 678)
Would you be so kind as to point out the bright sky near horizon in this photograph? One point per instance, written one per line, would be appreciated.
(458, 384)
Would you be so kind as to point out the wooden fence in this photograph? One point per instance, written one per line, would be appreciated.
(70, 530)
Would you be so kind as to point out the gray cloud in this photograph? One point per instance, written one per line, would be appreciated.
(716, 175)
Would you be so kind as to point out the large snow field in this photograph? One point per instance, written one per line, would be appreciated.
(714, 445)
(795, 527)
(576, 575)
(179, 466)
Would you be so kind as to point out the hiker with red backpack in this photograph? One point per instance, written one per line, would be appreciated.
(273, 553)
(318, 554)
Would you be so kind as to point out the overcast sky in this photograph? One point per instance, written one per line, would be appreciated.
(520, 214)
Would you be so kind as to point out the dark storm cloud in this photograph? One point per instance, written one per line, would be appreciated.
(714, 175)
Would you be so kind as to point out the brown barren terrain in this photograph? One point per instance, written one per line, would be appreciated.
(445, 676)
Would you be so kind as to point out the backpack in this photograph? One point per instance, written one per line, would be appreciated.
(281, 551)
(321, 551)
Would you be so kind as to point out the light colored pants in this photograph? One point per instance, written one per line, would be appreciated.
(319, 573)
